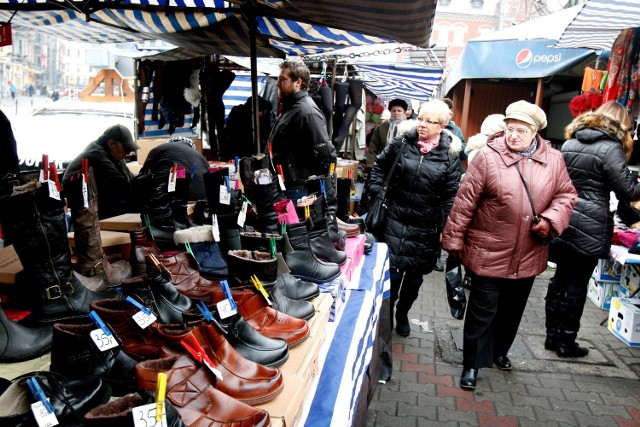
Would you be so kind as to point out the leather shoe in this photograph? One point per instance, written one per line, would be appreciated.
(551, 343)
(571, 350)
(468, 379)
(402, 324)
(18, 343)
(119, 412)
(190, 390)
(70, 399)
(503, 363)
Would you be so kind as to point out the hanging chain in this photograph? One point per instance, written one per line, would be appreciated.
(363, 54)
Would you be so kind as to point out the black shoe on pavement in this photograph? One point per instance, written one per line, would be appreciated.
(439, 265)
(468, 379)
(402, 325)
(571, 350)
(503, 363)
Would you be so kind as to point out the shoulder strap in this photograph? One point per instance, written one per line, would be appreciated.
(393, 167)
(535, 215)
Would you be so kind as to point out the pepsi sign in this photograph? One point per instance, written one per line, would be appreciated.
(526, 57)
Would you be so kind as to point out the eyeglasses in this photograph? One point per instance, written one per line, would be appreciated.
(520, 132)
(431, 122)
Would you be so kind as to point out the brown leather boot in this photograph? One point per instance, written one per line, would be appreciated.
(142, 244)
(190, 391)
(253, 307)
(185, 275)
(92, 261)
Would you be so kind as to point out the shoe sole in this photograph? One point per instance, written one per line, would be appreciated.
(503, 368)
(403, 334)
(467, 387)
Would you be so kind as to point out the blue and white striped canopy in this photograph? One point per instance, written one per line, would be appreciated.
(400, 80)
(284, 27)
(599, 23)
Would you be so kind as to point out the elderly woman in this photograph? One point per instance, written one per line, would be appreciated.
(596, 152)
(420, 194)
(516, 193)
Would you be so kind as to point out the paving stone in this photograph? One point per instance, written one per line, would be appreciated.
(503, 396)
(588, 397)
(384, 420)
(506, 409)
(533, 401)
(446, 414)
(421, 389)
(594, 421)
(407, 397)
(525, 422)
(388, 407)
(618, 410)
(559, 415)
(532, 390)
(428, 412)
(439, 402)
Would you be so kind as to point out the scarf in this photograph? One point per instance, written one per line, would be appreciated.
(429, 144)
(529, 151)
(393, 126)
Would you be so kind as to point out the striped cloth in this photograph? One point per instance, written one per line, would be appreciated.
(400, 80)
(348, 348)
(599, 23)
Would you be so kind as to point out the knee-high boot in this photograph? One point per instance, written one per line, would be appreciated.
(341, 89)
(552, 308)
(568, 326)
(264, 196)
(92, 261)
(355, 96)
(35, 223)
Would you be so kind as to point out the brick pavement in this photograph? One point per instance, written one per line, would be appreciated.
(603, 389)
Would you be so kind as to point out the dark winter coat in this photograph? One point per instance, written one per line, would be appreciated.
(113, 179)
(597, 165)
(162, 158)
(300, 142)
(420, 195)
(491, 218)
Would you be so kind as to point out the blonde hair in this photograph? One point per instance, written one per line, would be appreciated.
(617, 112)
(438, 108)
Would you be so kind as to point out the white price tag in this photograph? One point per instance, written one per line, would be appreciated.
(224, 309)
(217, 373)
(42, 416)
(281, 182)
(41, 176)
(53, 190)
(225, 195)
(171, 187)
(242, 216)
(145, 416)
(143, 319)
(85, 193)
(103, 341)
(233, 184)
(214, 228)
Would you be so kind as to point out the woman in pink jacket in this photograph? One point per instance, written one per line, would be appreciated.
(500, 237)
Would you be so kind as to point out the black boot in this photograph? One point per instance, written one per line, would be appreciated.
(264, 196)
(320, 243)
(19, 343)
(322, 209)
(344, 197)
(355, 97)
(302, 262)
(76, 356)
(553, 301)
(568, 326)
(247, 166)
(227, 215)
(36, 226)
(341, 90)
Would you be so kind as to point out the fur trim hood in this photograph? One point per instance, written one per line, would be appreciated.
(597, 122)
(476, 142)
(197, 234)
(410, 128)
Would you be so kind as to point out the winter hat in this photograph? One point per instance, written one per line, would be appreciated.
(187, 141)
(398, 103)
(492, 124)
(528, 113)
(121, 134)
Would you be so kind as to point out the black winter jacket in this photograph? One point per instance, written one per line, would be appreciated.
(300, 141)
(420, 196)
(597, 165)
(162, 158)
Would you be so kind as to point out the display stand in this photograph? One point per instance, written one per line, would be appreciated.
(356, 352)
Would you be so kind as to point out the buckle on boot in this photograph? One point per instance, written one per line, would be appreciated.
(55, 291)
(96, 269)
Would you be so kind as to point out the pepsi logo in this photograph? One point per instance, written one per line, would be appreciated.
(524, 58)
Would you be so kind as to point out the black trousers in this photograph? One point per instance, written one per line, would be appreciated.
(405, 286)
(493, 316)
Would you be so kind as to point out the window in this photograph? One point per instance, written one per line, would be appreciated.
(442, 38)
(477, 3)
(459, 32)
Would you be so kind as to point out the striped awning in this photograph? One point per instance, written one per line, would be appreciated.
(400, 80)
(599, 23)
(284, 27)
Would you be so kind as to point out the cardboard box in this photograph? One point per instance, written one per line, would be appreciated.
(148, 144)
(624, 320)
(318, 323)
(122, 222)
(116, 244)
(10, 265)
(601, 292)
(630, 278)
(607, 269)
(344, 166)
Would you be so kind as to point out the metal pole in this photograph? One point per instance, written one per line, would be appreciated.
(255, 121)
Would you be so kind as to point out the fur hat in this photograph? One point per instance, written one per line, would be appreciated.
(528, 113)
(398, 103)
(493, 123)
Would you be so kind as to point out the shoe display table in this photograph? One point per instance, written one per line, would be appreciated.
(356, 352)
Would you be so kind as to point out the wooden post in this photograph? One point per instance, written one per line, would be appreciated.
(466, 104)
(539, 92)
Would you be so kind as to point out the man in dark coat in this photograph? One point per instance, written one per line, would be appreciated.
(299, 138)
(182, 152)
(113, 177)
(238, 130)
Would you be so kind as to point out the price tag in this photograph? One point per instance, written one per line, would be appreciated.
(85, 193)
(41, 176)
(225, 195)
(145, 416)
(53, 190)
(143, 319)
(213, 370)
(43, 417)
(171, 187)
(214, 228)
(225, 309)
(242, 216)
(103, 341)
(281, 182)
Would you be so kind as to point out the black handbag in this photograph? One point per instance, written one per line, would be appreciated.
(378, 206)
(455, 288)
